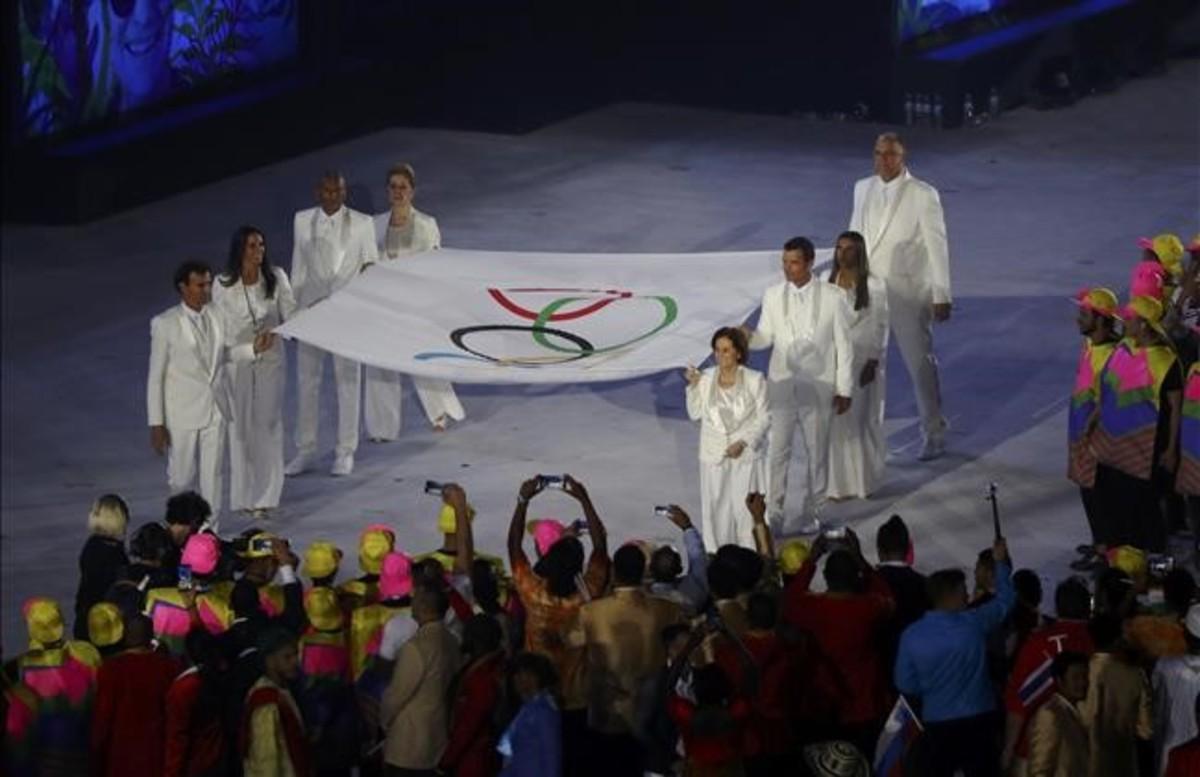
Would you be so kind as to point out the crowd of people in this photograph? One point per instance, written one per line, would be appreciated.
(192, 654)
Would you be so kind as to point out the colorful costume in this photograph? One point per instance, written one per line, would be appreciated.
(1187, 480)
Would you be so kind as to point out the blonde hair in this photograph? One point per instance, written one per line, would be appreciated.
(403, 169)
(109, 517)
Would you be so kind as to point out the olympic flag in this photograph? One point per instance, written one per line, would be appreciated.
(518, 317)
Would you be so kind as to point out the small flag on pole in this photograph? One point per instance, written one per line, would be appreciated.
(899, 732)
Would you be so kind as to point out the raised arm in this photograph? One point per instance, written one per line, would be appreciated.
(464, 539)
(595, 527)
(516, 528)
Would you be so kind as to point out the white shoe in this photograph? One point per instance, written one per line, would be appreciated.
(300, 464)
(343, 464)
(932, 449)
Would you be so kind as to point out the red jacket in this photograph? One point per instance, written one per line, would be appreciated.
(1184, 760)
(849, 631)
(195, 738)
(128, 718)
(471, 751)
(769, 730)
(1030, 684)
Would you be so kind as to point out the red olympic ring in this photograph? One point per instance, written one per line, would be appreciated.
(532, 315)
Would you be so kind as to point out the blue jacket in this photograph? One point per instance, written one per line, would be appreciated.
(532, 744)
(942, 661)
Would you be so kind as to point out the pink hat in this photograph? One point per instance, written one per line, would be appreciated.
(395, 576)
(201, 553)
(1147, 280)
(546, 532)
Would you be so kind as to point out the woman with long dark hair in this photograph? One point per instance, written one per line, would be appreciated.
(857, 448)
(254, 297)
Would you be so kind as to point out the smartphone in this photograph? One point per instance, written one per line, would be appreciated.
(662, 511)
(434, 487)
(260, 545)
(185, 578)
(553, 481)
(579, 527)
(836, 533)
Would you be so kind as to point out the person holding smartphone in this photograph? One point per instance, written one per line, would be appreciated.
(730, 402)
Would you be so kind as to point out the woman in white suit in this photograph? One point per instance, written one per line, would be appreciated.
(730, 402)
(857, 448)
(401, 231)
(253, 297)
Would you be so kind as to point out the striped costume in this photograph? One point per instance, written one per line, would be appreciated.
(1187, 481)
(1130, 390)
(1081, 463)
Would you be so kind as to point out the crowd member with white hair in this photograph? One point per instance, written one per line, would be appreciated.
(103, 559)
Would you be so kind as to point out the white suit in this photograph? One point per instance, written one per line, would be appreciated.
(905, 231)
(808, 329)
(383, 386)
(327, 253)
(727, 416)
(256, 429)
(857, 448)
(187, 391)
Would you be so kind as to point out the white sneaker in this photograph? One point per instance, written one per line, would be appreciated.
(343, 464)
(301, 463)
(932, 449)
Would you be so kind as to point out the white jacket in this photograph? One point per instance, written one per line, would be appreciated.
(749, 420)
(314, 275)
(426, 235)
(181, 392)
(826, 359)
(908, 248)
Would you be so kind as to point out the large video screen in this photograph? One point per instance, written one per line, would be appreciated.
(919, 17)
(84, 61)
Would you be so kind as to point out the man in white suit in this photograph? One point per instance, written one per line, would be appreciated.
(331, 245)
(806, 322)
(188, 398)
(900, 216)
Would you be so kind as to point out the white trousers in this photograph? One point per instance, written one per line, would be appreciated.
(807, 408)
(310, 366)
(912, 327)
(723, 488)
(198, 454)
(256, 433)
(384, 397)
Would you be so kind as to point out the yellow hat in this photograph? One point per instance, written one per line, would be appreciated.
(1169, 250)
(106, 627)
(1131, 561)
(321, 559)
(1149, 310)
(792, 555)
(1098, 300)
(44, 620)
(255, 546)
(446, 520)
(375, 542)
(321, 606)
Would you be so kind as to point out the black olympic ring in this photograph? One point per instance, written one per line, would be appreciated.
(585, 348)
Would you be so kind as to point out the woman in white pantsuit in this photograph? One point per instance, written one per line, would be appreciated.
(401, 231)
(857, 448)
(253, 297)
(730, 402)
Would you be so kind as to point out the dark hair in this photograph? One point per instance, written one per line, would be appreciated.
(735, 336)
(185, 271)
(189, 508)
(665, 564)
(892, 538)
(671, 633)
(485, 586)
(151, 542)
(1073, 600)
(1179, 590)
(1028, 587)
(539, 666)
(1064, 661)
(943, 583)
(987, 558)
(1105, 630)
(405, 170)
(803, 245)
(481, 635)
(272, 639)
(204, 651)
(711, 685)
(139, 630)
(433, 596)
(560, 566)
(762, 611)
(745, 563)
(862, 294)
(841, 572)
(244, 600)
(722, 579)
(629, 565)
(233, 267)
(1113, 589)
(429, 570)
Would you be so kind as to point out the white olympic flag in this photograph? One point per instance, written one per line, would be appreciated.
(521, 317)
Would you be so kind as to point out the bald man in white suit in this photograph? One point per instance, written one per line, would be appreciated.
(900, 216)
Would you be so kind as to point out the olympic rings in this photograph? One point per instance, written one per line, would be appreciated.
(585, 348)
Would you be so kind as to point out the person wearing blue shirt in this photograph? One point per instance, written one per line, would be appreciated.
(532, 743)
(942, 665)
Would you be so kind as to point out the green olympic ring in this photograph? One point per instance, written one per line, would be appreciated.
(670, 311)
